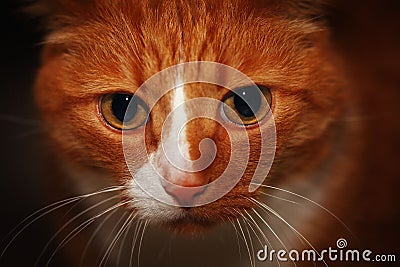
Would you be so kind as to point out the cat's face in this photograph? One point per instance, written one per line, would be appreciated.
(99, 54)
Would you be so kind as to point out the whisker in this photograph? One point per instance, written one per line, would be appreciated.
(128, 228)
(258, 228)
(94, 234)
(69, 237)
(68, 223)
(110, 235)
(249, 223)
(272, 231)
(109, 190)
(140, 242)
(280, 198)
(269, 209)
(311, 201)
(20, 120)
(24, 224)
(250, 240)
(81, 227)
(73, 207)
(30, 133)
(237, 236)
(134, 238)
(262, 233)
(245, 241)
(57, 205)
(116, 238)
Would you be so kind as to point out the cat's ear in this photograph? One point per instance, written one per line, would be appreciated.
(57, 14)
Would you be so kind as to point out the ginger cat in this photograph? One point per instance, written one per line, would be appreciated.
(107, 130)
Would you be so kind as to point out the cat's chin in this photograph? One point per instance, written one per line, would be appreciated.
(190, 224)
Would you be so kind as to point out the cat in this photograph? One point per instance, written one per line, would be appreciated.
(96, 57)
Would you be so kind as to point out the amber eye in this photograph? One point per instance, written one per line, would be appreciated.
(247, 105)
(124, 111)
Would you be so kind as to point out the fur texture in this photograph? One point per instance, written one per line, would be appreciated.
(99, 47)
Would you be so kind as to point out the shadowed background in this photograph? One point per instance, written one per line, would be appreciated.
(367, 33)
(20, 137)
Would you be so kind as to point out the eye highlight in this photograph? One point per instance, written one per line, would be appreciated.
(247, 105)
(123, 111)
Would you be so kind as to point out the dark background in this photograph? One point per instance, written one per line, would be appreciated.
(20, 136)
(368, 33)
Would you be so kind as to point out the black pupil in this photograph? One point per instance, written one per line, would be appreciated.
(119, 106)
(247, 101)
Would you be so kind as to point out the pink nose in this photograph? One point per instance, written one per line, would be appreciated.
(185, 196)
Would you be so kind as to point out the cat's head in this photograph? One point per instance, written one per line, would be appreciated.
(99, 53)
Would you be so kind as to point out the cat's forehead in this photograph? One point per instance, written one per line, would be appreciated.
(123, 45)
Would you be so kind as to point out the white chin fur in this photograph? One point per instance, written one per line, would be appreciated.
(149, 208)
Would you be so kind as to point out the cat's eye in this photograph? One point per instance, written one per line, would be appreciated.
(123, 111)
(247, 105)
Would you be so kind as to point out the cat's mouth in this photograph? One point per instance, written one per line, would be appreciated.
(177, 219)
(190, 222)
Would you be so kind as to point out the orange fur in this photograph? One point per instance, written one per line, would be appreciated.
(100, 47)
